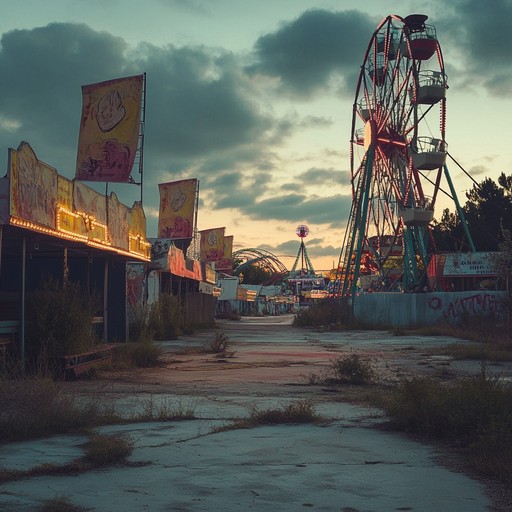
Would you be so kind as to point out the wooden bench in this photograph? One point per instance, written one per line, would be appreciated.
(78, 364)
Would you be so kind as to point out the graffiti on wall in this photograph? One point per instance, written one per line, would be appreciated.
(476, 304)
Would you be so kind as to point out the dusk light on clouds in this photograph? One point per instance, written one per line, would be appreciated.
(252, 98)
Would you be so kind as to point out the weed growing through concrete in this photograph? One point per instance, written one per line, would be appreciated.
(219, 344)
(165, 410)
(105, 450)
(100, 450)
(353, 369)
(297, 412)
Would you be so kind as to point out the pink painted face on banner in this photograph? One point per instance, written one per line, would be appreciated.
(110, 111)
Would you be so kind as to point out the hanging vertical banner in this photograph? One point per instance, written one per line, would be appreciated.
(226, 262)
(109, 129)
(212, 244)
(177, 209)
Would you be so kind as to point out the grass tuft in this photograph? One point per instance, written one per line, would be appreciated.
(105, 450)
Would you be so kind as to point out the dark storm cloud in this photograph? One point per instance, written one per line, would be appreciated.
(306, 53)
(201, 115)
(196, 100)
(331, 177)
(480, 32)
(297, 207)
(41, 73)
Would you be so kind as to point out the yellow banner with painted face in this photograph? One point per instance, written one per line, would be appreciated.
(212, 244)
(109, 129)
(177, 209)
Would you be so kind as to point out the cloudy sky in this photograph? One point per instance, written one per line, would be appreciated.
(253, 98)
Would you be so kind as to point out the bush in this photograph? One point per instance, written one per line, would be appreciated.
(324, 313)
(300, 411)
(58, 321)
(352, 369)
(474, 413)
(219, 344)
(37, 407)
(139, 354)
(166, 318)
(104, 450)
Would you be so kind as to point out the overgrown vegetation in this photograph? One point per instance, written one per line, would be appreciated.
(106, 450)
(325, 313)
(474, 414)
(219, 344)
(58, 322)
(166, 318)
(352, 369)
(37, 407)
(296, 412)
(100, 450)
(138, 354)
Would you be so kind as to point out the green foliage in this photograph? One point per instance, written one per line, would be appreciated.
(166, 318)
(488, 211)
(58, 321)
(138, 354)
(324, 313)
(352, 369)
(255, 274)
(474, 413)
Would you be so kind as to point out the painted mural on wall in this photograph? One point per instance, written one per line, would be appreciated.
(33, 187)
(109, 129)
(118, 218)
(41, 200)
(135, 288)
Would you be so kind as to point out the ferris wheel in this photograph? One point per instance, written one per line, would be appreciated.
(397, 156)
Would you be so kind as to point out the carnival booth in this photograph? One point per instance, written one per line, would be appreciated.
(55, 228)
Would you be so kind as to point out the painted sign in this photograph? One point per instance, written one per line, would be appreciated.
(33, 187)
(109, 129)
(180, 266)
(177, 209)
(159, 252)
(212, 244)
(226, 262)
(465, 264)
(41, 200)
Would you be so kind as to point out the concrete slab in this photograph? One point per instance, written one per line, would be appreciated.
(343, 464)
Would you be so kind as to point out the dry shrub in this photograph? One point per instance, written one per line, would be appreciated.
(36, 407)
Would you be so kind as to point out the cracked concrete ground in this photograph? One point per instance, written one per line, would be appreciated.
(343, 463)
